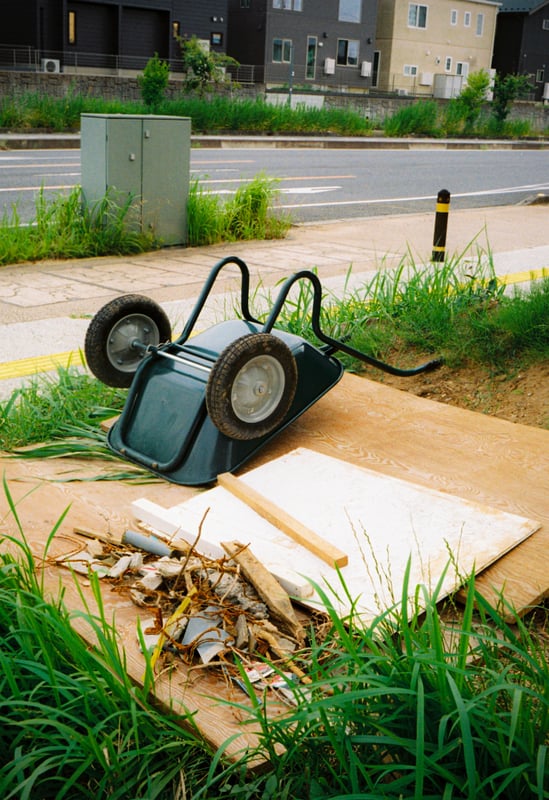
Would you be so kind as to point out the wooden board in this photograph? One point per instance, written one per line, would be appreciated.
(469, 455)
(381, 522)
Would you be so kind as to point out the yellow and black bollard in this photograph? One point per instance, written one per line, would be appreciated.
(441, 225)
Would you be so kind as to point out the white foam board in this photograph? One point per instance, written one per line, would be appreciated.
(382, 523)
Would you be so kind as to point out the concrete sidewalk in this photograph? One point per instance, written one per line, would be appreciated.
(45, 308)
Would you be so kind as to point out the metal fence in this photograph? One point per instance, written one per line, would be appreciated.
(31, 59)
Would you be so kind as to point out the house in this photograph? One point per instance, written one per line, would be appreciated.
(430, 48)
(105, 35)
(522, 42)
(325, 44)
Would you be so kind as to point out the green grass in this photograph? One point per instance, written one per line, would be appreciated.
(217, 114)
(249, 214)
(46, 407)
(428, 118)
(72, 723)
(418, 705)
(457, 310)
(210, 115)
(64, 227)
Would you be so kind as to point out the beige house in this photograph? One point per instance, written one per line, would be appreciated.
(430, 48)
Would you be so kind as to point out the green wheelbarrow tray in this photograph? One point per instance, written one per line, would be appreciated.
(200, 406)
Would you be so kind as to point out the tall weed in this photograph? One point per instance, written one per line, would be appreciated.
(419, 119)
(249, 214)
(416, 704)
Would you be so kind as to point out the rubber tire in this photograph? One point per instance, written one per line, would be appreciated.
(102, 326)
(225, 372)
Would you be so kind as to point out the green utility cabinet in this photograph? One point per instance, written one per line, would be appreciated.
(144, 159)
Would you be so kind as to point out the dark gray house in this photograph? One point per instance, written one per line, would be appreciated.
(316, 43)
(521, 45)
(57, 35)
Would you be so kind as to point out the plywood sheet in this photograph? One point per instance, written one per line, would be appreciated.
(42, 494)
(380, 522)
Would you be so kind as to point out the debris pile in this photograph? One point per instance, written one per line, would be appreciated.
(228, 613)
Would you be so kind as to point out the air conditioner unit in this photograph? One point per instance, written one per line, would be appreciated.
(366, 69)
(51, 65)
(426, 79)
(546, 91)
(329, 66)
(402, 92)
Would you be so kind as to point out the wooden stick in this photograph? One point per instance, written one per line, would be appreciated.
(268, 588)
(283, 521)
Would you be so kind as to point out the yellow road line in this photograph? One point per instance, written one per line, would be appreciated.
(37, 364)
(522, 277)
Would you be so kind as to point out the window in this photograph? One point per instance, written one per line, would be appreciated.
(72, 27)
(467, 19)
(417, 16)
(347, 52)
(282, 51)
(310, 68)
(453, 17)
(175, 28)
(244, 3)
(462, 68)
(480, 24)
(448, 64)
(545, 24)
(287, 5)
(410, 70)
(350, 10)
(540, 75)
(216, 39)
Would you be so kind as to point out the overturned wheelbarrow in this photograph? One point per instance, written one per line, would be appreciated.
(200, 406)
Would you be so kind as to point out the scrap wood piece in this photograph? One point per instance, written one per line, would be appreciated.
(107, 538)
(261, 632)
(283, 521)
(169, 627)
(267, 587)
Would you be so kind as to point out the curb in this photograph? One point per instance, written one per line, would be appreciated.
(41, 141)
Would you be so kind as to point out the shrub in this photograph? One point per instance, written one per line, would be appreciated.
(420, 118)
(154, 81)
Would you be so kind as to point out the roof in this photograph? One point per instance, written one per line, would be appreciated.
(525, 7)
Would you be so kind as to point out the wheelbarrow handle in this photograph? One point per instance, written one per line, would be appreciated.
(206, 289)
(335, 344)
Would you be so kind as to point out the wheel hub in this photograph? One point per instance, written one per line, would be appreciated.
(257, 389)
(129, 339)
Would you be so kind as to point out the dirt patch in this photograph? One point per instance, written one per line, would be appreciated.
(518, 396)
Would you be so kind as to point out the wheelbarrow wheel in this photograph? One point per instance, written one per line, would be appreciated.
(251, 386)
(110, 344)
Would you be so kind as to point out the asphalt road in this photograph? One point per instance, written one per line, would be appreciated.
(314, 184)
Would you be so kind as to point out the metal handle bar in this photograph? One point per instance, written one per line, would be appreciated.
(334, 344)
(206, 289)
